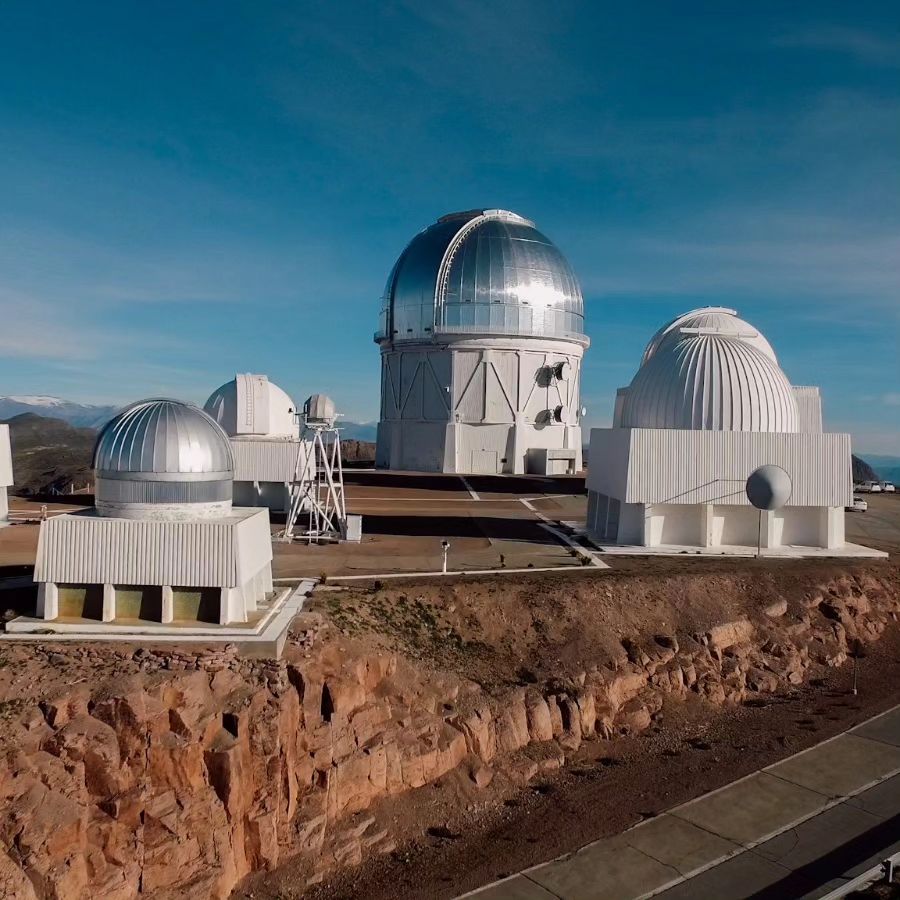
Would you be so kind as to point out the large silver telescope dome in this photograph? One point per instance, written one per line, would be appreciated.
(163, 454)
(481, 272)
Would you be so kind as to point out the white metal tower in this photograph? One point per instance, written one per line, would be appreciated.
(318, 486)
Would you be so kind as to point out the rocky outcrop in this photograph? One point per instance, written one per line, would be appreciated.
(186, 772)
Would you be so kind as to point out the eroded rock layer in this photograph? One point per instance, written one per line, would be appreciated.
(130, 773)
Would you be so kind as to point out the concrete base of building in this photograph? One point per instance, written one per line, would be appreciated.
(265, 636)
(213, 571)
(845, 551)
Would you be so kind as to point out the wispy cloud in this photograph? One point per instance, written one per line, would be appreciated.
(866, 46)
(891, 399)
(767, 253)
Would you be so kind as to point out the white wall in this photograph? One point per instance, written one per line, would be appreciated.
(673, 524)
(654, 465)
(801, 526)
(6, 471)
(734, 525)
(477, 405)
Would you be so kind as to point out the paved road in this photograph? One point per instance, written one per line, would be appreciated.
(796, 829)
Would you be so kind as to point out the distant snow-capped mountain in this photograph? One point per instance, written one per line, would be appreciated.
(82, 415)
(357, 431)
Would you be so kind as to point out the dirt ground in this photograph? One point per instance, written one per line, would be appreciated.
(454, 844)
(508, 630)
(502, 632)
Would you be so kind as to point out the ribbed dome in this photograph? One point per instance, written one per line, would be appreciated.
(482, 272)
(253, 405)
(710, 320)
(698, 376)
(162, 452)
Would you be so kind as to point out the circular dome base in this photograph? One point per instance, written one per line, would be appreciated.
(164, 512)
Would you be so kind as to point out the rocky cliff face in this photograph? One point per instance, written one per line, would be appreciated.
(138, 773)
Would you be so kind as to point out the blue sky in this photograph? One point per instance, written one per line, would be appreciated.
(188, 190)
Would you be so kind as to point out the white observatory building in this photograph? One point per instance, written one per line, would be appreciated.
(163, 543)
(481, 337)
(261, 422)
(6, 474)
(708, 406)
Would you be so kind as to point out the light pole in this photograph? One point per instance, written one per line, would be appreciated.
(445, 547)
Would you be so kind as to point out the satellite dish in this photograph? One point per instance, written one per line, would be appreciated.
(769, 487)
(560, 414)
(561, 370)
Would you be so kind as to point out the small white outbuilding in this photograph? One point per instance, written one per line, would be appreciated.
(6, 474)
(262, 424)
(708, 405)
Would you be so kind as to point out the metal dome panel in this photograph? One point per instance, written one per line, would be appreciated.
(163, 440)
(708, 381)
(487, 272)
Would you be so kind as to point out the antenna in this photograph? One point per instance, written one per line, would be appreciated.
(768, 488)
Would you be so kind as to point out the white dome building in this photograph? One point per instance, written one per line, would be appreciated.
(263, 427)
(163, 545)
(252, 405)
(708, 405)
(481, 337)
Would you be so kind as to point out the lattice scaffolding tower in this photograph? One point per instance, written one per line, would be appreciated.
(318, 486)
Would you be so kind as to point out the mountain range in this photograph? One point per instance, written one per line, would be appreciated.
(81, 415)
(87, 415)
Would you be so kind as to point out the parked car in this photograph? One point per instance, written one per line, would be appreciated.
(888, 487)
(858, 505)
(868, 487)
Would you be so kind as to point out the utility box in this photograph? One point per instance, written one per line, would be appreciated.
(353, 534)
(551, 461)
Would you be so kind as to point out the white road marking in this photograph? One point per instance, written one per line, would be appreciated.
(333, 578)
(472, 493)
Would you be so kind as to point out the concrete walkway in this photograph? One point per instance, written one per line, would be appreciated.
(794, 829)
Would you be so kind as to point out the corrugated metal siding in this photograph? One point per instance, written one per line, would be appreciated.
(674, 466)
(87, 549)
(607, 462)
(809, 405)
(127, 491)
(6, 472)
(267, 460)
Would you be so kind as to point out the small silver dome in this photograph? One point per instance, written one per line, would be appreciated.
(162, 452)
(482, 272)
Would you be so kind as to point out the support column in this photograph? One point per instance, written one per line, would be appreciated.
(231, 605)
(653, 523)
(109, 603)
(706, 525)
(47, 600)
(168, 605)
(768, 538)
(831, 527)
